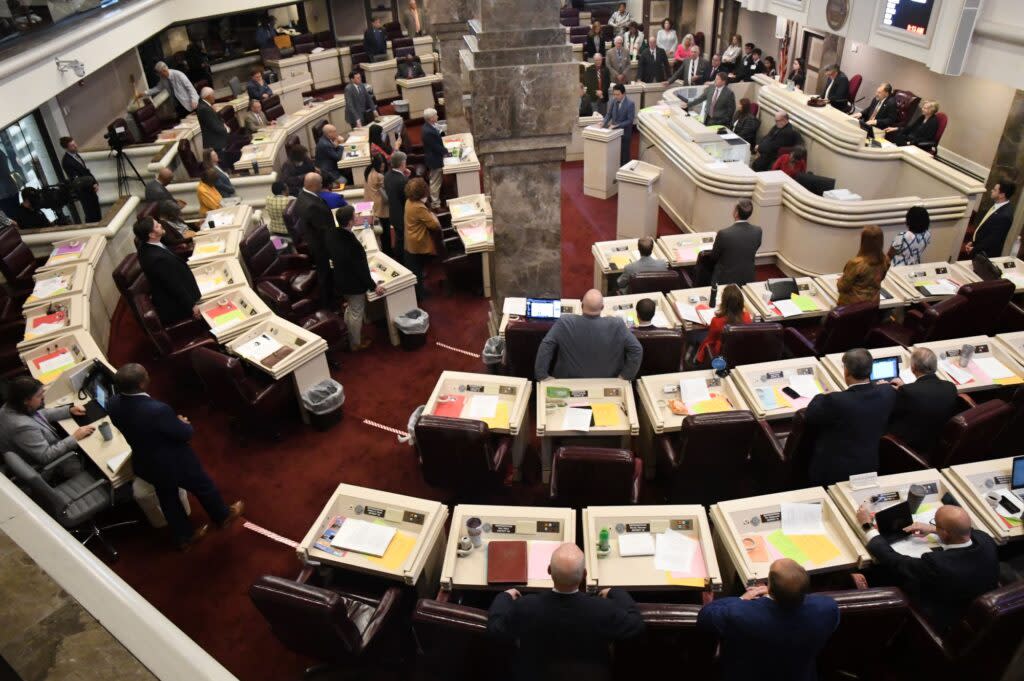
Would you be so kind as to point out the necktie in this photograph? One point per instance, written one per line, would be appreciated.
(599, 79)
(714, 100)
(977, 230)
(693, 70)
(829, 88)
(416, 16)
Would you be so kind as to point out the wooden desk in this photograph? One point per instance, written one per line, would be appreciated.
(85, 250)
(611, 258)
(414, 555)
(639, 572)
(892, 294)
(975, 376)
(477, 236)
(539, 527)
(741, 519)
(59, 282)
(914, 279)
(555, 395)
(325, 68)
(681, 250)
(1013, 269)
(356, 156)
(757, 292)
(214, 245)
(759, 383)
(418, 92)
(462, 162)
(216, 277)
(399, 289)
(569, 306)
(972, 481)
(380, 75)
(47, 361)
(41, 325)
(624, 307)
(691, 306)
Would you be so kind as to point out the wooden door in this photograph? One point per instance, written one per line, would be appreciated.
(813, 53)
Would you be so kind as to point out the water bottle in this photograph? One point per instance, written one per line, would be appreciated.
(713, 298)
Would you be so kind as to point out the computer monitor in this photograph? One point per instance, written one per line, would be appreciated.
(816, 184)
(543, 308)
(1017, 476)
(885, 369)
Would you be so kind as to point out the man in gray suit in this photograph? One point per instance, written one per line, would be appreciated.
(721, 102)
(692, 71)
(618, 61)
(30, 430)
(360, 109)
(646, 263)
(735, 248)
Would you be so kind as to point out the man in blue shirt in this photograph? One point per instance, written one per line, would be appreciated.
(621, 113)
(780, 618)
(256, 88)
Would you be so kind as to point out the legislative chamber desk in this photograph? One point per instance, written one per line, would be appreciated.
(749, 537)
(688, 563)
(613, 414)
(974, 481)
(1013, 269)
(810, 302)
(611, 258)
(414, 555)
(472, 220)
(462, 163)
(624, 307)
(692, 308)
(682, 249)
(216, 277)
(237, 216)
(83, 250)
(543, 529)
(502, 402)
(833, 363)
(47, 361)
(57, 318)
(232, 312)
(656, 418)
(892, 296)
(890, 490)
(762, 385)
(514, 312)
(991, 367)
(66, 280)
(1013, 343)
(930, 281)
(399, 289)
(418, 92)
(213, 244)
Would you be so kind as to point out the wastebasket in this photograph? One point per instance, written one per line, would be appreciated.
(323, 402)
(412, 328)
(494, 351)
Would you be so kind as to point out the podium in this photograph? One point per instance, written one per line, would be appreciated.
(380, 75)
(419, 92)
(638, 200)
(325, 68)
(602, 148)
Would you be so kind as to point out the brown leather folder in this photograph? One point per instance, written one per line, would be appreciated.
(506, 562)
(270, 360)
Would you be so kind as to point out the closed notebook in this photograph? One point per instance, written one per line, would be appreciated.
(506, 562)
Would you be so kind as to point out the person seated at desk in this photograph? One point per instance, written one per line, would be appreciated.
(924, 128)
(781, 617)
(794, 163)
(735, 248)
(329, 150)
(621, 113)
(597, 79)
(169, 215)
(256, 88)
(177, 85)
(360, 109)
(29, 215)
(212, 127)
(940, 584)
(296, 167)
(990, 234)
(837, 88)
(799, 73)
(162, 455)
(693, 71)
(745, 123)
(849, 424)
(882, 111)
(172, 285)
(721, 102)
(589, 345)
(908, 246)
(782, 134)
(255, 120)
(923, 407)
(375, 41)
(861, 281)
(652, 64)
(646, 263)
(618, 61)
(156, 189)
(645, 311)
(564, 633)
(351, 275)
(731, 311)
(620, 19)
(595, 42)
(586, 107)
(206, 192)
(409, 68)
(30, 430)
(211, 160)
(275, 206)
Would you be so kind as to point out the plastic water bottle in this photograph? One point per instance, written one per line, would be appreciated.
(713, 298)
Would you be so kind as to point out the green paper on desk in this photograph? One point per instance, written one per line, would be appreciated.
(805, 303)
(554, 391)
(787, 547)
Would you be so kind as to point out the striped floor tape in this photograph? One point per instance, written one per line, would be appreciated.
(271, 535)
(389, 429)
(455, 349)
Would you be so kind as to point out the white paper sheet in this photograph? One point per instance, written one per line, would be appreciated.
(693, 390)
(516, 306)
(114, 463)
(482, 407)
(576, 419)
(674, 552)
(805, 385)
(660, 320)
(993, 367)
(47, 287)
(689, 313)
(62, 360)
(787, 308)
(259, 348)
(706, 315)
(915, 547)
(801, 519)
(942, 287)
(636, 544)
(959, 376)
(907, 376)
(363, 537)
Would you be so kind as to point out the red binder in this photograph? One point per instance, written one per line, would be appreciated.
(506, 562)
(451, 408)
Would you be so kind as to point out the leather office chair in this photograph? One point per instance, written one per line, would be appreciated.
(522, 340)
(461, 455)
(855, 81)
(131, 282)
(906, 105)
(188, 159)
(306, 313)
(12, 330)
(272, 100)
(292, 273)
(149, 123)
(172, 238)
(595, 476)
(941, 120)
(250, 398)
(176, 340)
(73, 503)
(785, 458)
(844, 328)
(658, 282)
(941, 321)
(304, 44)
(336, 626)
(452, 641)
(403, 52)
(273, 112)
(324, 39)
(462, 270)
(663, 350)
(401, 42)
(865, 614)
(1008, 441)
(986, 303)
(752, 343)
(17, 264)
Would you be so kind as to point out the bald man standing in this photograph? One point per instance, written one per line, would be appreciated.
(211, 125)
(157, 191)
(564, 634)
(589, 345)
(328, 153)
(941, 584)
(781, 618)
(314, 223)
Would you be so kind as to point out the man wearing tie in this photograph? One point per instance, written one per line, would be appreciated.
(316, 220)
(413, 25)
(783, 134)
(722, 103)
(990, 234)
(359, 106)
(620, 115)
(618, 61)
(652, 65)
(255, 119)
(82, 180)
(837, 88)
(256, 88)
(596, 79)
(693, 71)
(882, 111)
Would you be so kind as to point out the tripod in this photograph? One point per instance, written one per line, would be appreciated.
(123, 179)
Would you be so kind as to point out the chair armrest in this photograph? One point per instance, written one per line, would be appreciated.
(294, 261)
(665, 450)
(502, 452)
(797, 344)
(58, 461)
(966, 402)
(894, 456)
(305, 574)
(388, 604)
(91, 488)
(443, 612)
(768, 456)
(638, 477)
(860, 582)
(271, 293)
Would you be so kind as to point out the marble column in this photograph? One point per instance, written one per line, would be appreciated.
(448, 22)
(520, 70)
(1009, 164)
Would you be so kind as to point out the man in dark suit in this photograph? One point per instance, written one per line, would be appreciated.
(328, 153)
(409, 68)
(171, 283)
(849, 424)
(751, 64)
(882, 111)
(923, 407)
(597, 79)
(162, 456)
(82, 180)
(837, 88)
(721, 102)
(375, 41)
(781, 617)
(716, 68)
(256, 88)
(586, 106)
(394, 188)
(990, 234)
(434, 154)
(652, 63)
(360, 108)
(157, 191)
(732, 256)
(315, 220)
(782, 135)
(563, 633)
(940, 584)
(693, 71)
(620, 115)
(212, 126)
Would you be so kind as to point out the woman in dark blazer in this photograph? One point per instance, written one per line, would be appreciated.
(745, 124)
(924, 128)
(350, 272)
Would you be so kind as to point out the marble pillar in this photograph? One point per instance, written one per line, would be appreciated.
(1009, 164)
(448, 22)
(520, 69)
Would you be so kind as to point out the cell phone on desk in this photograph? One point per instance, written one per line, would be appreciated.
(791, 393)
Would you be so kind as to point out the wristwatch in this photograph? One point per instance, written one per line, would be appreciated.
(867, 526)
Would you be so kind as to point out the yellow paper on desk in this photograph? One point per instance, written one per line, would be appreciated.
(620, 261)
(805, 303)
(398, 550)
(209, 249)
(697, 582)
(818, 548)
(500, 418)
(716, 403)
(605, 414)
(1013, 380)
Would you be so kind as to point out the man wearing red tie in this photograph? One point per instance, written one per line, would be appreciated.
(596, 79)
(722, 104)
(990, 234)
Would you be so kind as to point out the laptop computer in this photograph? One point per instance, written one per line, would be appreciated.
(543, 308)
(891, 521)
(1017, 477)
(885, 368)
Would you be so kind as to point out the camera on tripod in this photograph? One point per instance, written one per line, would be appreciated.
(117, 136)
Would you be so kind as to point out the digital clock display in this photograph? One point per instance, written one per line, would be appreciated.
(908, 15)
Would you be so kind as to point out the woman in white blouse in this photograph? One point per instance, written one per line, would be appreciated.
(667, 38)
(620, 19)
(731, 56)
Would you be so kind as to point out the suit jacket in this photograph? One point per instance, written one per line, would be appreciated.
(215, 132)
(590, 82)
(350, 270)
(563, 636)
(839, 95)
(748, 68)
(621, 114)
(394, 187)
(683, 72)
(922, 408)
(375, 41)
(357, 103)
(795, 636)
(712, 72)
(586, 107)
(316, 221)
(74, 167)
(646, 263)
(37, 444)
(848, 426)
(594, 45)
(409, 70)
(327, 157)
(157, 192)
(617, 61)
(746, 128)
(775, 139)
(941, 584)
(885, 117)
(257, 90)
(254, 121)
(172, 284)
(409, 23)
(433, 147)
(733, 253)
(419, 222)
(724, 108)
(652, 67)
(990, 235)
(161, 453)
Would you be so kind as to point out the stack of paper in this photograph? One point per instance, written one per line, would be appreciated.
(660, 320)
(693, 391)
(805, 384)
(636, 544)
(363, 537)
(209, 248)
(363, 207)
(959, 376)
(805, 303)
(114, 463)
(994, 368)
(787, 308)
(801, 519)
(482, 407)
(259, 348)
(576, 419)
(674, 552)
(688, 313)
(768, 398)
(514, 306)
(50, 286)
(223, 316)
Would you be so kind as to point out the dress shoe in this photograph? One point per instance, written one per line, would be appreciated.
(362, 346)
(196, 536)
(234, 510)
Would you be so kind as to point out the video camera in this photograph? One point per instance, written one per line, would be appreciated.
(117, 136)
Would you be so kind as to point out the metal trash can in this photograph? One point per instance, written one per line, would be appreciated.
(323, 401)
(412, 328)
(494, 352)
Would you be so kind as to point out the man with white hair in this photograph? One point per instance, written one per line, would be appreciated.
(924, 405)
(434, 153)
(618, 61)
(211, 125)
(564, 633)
(176, 84)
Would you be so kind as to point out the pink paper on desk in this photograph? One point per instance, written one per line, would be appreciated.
(363, 207)
(475, 235)
(979, 374)
(279, 243)
(538, 557)
(800, 402)
(697, 570)
(68, 249)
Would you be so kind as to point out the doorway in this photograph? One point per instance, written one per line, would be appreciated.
(813, 53)
(726, 18)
